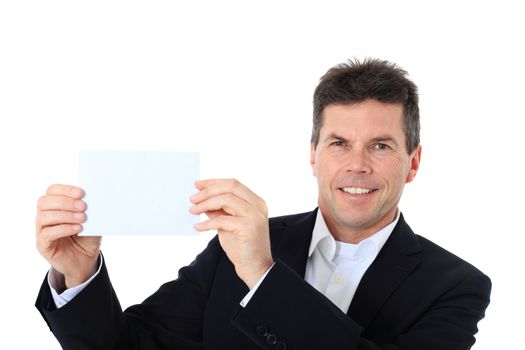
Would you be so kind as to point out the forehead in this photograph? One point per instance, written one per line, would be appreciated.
(368, 118)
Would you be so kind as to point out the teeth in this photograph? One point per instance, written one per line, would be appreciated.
(356, 190)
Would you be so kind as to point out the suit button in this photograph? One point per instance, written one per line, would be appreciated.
(271, 339)
(280, 345)
(261, 330)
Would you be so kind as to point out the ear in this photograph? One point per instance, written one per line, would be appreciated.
(312, 159)
(415, 159)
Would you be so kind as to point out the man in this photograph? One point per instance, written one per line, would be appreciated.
(349, 275)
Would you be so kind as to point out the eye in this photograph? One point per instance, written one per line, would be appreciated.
(337, 143)
(381, 146)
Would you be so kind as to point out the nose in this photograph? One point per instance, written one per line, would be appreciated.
(358, 161)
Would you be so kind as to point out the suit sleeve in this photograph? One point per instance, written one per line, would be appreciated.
(170, 318)
(287, 313)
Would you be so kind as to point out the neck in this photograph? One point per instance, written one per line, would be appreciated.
(350, 234)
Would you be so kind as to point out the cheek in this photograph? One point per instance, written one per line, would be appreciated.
(326, 170)
(394, 175)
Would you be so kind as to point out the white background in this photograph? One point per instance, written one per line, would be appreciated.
(234, 80)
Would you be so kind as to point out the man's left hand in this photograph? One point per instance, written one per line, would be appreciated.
(241, 219)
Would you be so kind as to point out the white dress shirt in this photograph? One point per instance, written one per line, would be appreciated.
(333, 268)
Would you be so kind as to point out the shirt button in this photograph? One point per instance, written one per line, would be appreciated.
(338, 278)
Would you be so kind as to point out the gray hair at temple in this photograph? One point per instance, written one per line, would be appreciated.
(355, 82)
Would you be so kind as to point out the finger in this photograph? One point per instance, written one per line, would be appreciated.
(60, 202)
(54, 217)
(215, 187)
(223, 223)
(214, 213)
(65, 190)
(52, 233)
(231, 204)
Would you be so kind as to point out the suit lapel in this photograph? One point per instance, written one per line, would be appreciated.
(396, 260)
(290, 239)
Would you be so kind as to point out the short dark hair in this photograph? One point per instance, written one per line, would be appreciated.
(355, 81)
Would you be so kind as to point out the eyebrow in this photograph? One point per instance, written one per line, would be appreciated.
(381, 138)
(335, 136)
(385, 138)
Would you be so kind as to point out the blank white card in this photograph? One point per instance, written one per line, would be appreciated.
(138, 192)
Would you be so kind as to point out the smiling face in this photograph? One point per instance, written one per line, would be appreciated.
(361, 164)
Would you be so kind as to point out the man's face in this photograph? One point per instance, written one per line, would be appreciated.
(361, 164)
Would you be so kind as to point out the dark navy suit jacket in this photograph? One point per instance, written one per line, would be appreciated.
(415, 295)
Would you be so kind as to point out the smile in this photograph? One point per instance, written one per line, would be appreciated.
(356, 190)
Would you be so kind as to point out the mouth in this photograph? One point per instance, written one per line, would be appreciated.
(357, 190)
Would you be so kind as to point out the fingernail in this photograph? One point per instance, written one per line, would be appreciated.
(199, 184)
(76, 192)
(79, 216)
(79, 204)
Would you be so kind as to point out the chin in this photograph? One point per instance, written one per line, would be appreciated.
(353, 221)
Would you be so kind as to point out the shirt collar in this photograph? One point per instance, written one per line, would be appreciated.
(320, 232)
(322, 236)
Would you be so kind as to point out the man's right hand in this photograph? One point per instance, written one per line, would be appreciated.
(59, 217)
